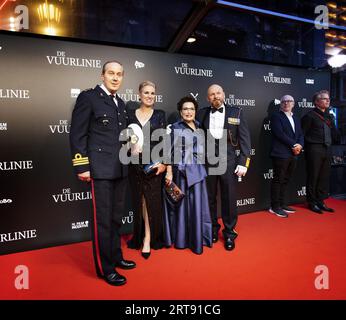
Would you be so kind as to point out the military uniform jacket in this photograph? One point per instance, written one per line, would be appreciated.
(238, 135)
(96, 127)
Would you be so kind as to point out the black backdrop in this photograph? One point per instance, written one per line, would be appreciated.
(42, 202)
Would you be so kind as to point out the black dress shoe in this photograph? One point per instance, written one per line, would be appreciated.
(229, 244)
(115, 279)
(146, 255)
(325, 208)
(215, 236)
(315, 208)
(125, 264)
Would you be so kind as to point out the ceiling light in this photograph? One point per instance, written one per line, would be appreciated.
(331, 5)
(191, 39)
(333, 50)
(330, 34)
(337, 61)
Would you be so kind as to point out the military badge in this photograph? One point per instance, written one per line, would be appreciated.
(234, 121)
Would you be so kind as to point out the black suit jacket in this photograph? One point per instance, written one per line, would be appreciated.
(94, 135)
(313, 126)
(238, 135)
(283, 136)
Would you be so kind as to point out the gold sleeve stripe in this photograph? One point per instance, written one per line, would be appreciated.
(79, 160)
(80, 163)
(247, 164)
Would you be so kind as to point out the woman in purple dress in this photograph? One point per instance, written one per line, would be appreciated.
(188, 223)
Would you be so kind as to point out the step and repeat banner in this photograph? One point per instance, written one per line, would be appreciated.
(42, 203)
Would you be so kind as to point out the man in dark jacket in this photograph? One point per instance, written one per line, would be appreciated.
(319, 129)
(98, 118)
(287, 144)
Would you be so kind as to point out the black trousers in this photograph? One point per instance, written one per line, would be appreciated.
(108, 205)
(318, 164)
(229, 214)
(283, 171)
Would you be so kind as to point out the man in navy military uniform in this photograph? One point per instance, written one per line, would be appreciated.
(287, 144)
(98, 118)
(225, 125)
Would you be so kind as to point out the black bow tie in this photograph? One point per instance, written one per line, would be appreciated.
(216, 109)
(112, 96)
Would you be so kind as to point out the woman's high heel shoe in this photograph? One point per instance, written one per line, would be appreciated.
(146, 255)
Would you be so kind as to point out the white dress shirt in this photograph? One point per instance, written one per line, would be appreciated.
(216, 123)
(289, 115)
(108, 93)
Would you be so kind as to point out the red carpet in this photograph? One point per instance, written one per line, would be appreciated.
(274, 258)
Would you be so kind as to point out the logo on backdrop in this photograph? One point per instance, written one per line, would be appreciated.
(61, 59)
(68, 196)
(239, 74)
(128, 218)
(16, 165)
(14, 94)
(75, 92)
(3, 126)
(302, 192)
(266, 126)
(5, 201)
(270, 78)
(139, 65)
(305, 104)
(185, 70)
(240, 102)
(245, 202)
(309, 81)
(133, 96)
(277, 102)
(194, 95)
(62, 127)
(80, 225)
(18, 235)
(268, 175)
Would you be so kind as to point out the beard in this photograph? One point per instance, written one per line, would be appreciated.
(216, 103)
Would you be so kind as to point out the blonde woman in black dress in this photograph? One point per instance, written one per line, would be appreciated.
(147, 189)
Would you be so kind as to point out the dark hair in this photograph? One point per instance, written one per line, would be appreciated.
(187, 99)
(317, 95)
(111, 61)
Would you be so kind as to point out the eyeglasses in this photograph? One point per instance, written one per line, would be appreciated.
(327, 99)
(188, 109)
(287, 101)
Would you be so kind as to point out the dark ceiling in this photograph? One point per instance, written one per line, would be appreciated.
(243, 29)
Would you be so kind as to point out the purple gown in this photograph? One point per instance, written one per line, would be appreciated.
(188, 224)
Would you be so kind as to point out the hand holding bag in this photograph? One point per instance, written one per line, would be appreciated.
(150, 168)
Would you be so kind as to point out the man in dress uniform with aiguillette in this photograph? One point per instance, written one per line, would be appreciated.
(98, 118)
(226, 131)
